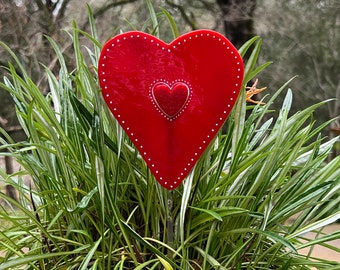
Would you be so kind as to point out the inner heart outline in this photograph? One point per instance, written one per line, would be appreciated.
(166, 110)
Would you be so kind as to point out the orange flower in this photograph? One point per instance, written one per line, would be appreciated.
(252, 90)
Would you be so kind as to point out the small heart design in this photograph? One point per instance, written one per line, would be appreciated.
(171, 99)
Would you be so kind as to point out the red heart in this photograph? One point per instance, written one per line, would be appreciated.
(171, 99)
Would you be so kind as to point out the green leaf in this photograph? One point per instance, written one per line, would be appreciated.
(145, 243)
(246, 46)
(86, 199)
(165, 264)
(85, 263)
(172, 23)
(251, 63)
(275, 237)
(17, 262)
(210, 212)
(153, 17)
(217, 213)
(213, 262)
(316, 225)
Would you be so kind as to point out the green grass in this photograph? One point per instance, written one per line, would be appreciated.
(96, 205)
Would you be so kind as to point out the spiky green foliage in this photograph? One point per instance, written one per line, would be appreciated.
(95, 205)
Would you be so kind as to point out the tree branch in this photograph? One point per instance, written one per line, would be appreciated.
(103, 9)
(186, 18)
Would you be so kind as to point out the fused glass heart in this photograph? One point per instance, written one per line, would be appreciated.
(171, 99)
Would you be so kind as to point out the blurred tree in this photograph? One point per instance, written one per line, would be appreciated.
(23, 24)
(238, 18)
(302, 37)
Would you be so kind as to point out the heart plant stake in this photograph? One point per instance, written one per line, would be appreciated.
(171, 99)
